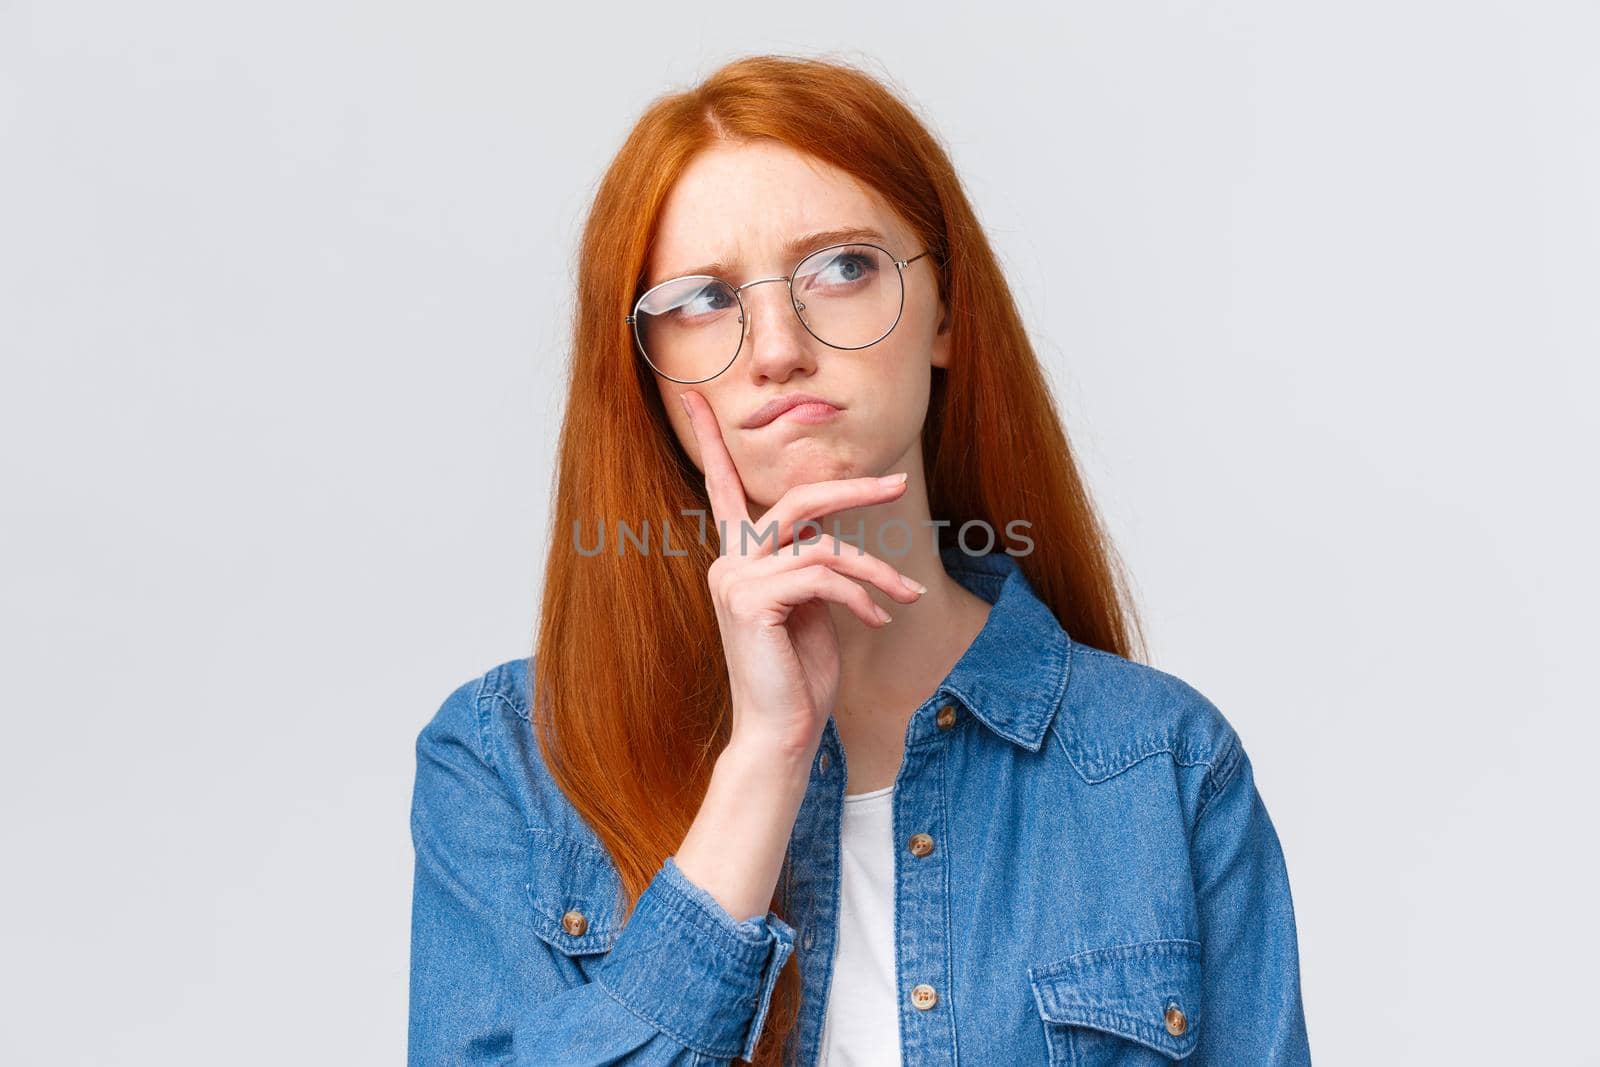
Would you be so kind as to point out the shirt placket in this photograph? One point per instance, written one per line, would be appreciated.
(812, 892)
(923, 968)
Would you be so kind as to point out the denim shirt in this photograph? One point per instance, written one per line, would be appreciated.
(1104, 885)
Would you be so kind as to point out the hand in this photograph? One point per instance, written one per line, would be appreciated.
(777, 634)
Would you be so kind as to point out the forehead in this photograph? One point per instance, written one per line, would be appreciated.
(738, 202)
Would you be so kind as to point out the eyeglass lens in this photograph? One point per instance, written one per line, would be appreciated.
(848, 296)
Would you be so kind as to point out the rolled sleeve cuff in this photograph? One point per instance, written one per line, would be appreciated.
(684, 965)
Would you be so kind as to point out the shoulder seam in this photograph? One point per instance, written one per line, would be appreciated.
(1215, 750)
(497, 691)
(1219, 772)
(505, 701)
(1168, 750)
(480, 706)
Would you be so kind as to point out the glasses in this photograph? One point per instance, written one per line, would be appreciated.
(847, 296)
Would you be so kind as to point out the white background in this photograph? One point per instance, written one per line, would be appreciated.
(282, 313)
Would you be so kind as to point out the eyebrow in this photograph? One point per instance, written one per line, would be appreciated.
(794, 246)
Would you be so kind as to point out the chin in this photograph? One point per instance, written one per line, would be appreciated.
(791, 467)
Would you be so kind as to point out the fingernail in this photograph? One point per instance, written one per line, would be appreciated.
(912, 584)
(883, 616)
(892, 479)
(683, 398)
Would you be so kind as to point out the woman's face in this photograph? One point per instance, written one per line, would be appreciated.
(742, 204)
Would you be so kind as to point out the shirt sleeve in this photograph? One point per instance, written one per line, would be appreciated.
(683, 984)
(1251, 1008)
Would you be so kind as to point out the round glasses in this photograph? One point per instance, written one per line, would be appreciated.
(848, 296)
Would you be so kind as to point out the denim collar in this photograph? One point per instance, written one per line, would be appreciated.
(1014, 675)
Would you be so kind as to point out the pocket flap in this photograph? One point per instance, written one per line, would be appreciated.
(575, 893)
(1147, 992)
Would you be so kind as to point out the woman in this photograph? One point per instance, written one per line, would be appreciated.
(797, 367)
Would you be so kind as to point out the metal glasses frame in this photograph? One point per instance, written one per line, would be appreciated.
(900, 270)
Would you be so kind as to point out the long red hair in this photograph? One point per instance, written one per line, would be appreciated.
(631, 686)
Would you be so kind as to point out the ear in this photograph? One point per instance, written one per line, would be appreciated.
(941, 339)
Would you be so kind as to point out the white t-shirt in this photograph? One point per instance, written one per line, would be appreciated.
(861, 1027)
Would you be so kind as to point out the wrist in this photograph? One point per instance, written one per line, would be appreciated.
(771, 755)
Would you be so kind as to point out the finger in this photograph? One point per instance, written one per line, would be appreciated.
(851, 561)
(723, 485)
(814, 500)
(782, 593)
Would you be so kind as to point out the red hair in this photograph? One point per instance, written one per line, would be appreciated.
(631, 685)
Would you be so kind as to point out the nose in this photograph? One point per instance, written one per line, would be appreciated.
(777, 342)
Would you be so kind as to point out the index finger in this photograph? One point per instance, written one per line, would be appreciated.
(723, 484)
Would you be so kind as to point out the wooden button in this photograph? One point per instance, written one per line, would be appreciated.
(1177, 1022)
(823, 762)
(946, 717)
(924, 997)
(921, 845)
(574, 923)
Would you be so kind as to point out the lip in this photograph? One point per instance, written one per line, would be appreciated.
(811, 409)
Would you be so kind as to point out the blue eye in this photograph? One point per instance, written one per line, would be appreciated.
(841, 269)
(689, 301)
(849, 267)
(710, 298)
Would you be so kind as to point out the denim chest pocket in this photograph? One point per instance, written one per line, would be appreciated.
(574, 893)
(1132, 1005)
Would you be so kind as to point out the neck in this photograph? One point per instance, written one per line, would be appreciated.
(886, 673)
